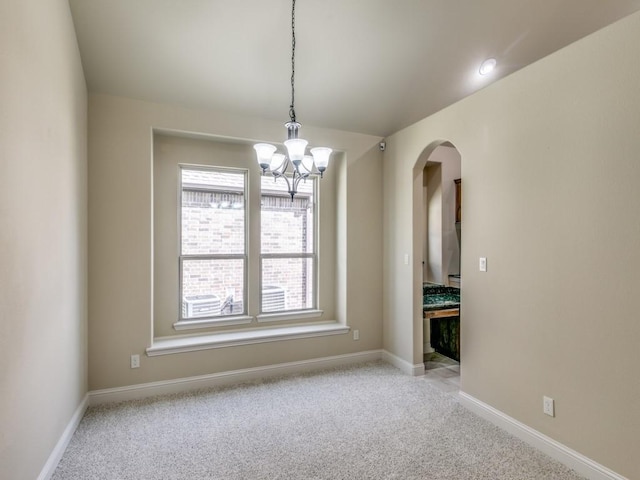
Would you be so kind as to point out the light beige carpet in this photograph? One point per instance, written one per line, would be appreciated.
(360, 422)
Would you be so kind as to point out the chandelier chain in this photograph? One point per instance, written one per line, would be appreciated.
(295, 166)
(292, 111)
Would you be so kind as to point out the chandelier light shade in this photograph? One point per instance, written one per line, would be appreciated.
(277, 161)
(265, 154)
(321, 158)
(307, 163)
(301, 164)
(295, 149)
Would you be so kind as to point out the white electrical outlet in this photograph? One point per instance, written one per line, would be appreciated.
(135, 361)
(356, 334)
(406, 259)
(483, 264)
(548, 406)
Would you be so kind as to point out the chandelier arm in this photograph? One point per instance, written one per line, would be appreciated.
(297, 177)
(292, 110)
(291, 186)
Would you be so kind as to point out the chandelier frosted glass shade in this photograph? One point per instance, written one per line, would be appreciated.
(265, 152)
(321, 158)
(307, 164)
(296, 148)
(277, 162)
(303, 164)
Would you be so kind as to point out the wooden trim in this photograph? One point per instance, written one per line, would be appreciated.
(450, 312)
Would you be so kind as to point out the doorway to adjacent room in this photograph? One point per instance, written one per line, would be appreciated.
(441, 273)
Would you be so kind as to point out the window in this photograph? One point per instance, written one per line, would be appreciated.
(213, 242)
(231, 250)
(288, 259)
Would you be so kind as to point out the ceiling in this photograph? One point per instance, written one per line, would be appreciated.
(367, 66)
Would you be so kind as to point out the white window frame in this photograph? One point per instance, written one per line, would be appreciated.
(312, 311)
(218, 320)
(172, 149)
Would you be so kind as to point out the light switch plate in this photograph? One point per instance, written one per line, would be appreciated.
(483, 264)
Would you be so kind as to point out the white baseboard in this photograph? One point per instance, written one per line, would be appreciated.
(178, 385)
(572, 459)
(53, 460)
(406, 367)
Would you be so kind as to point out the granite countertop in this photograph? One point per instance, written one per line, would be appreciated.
(439, 297)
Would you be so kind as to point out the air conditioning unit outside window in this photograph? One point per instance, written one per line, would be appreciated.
(273, 299)
(200, 306)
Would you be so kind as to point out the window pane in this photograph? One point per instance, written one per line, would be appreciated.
(287, 226)
(212, 178)
(287, 284)
(213, 212)
(212, 288)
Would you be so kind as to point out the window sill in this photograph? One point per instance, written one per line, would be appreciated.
(171, 345)
(211, 322)
(278, 316)
(244, 319)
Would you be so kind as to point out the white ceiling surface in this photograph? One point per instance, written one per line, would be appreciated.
(368, 66)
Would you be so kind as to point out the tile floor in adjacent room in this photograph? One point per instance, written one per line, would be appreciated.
(443, 372)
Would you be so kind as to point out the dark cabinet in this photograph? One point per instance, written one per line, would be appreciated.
(445, 336)
(458, 183)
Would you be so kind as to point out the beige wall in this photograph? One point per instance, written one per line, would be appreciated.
(120, 241)
(43, 245)
(550, 165)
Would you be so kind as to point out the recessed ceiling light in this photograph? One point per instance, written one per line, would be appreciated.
(487, 66)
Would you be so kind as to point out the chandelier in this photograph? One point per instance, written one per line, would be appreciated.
(302, 165)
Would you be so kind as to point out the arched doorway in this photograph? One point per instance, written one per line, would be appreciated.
(437, 219)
